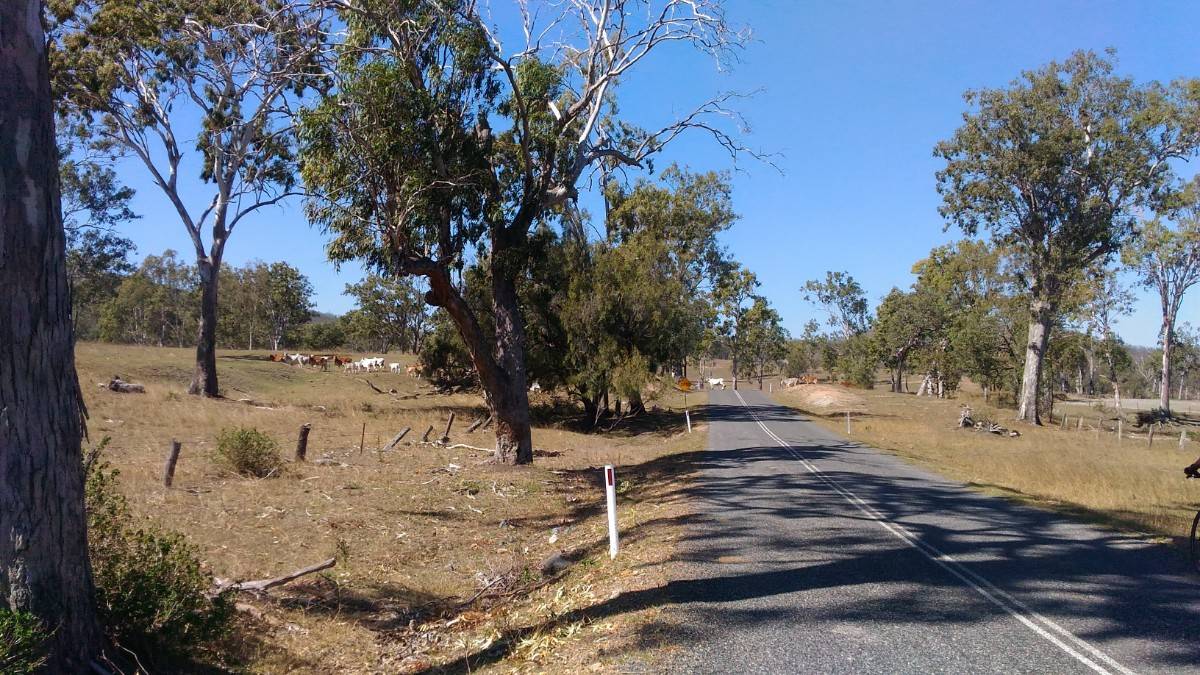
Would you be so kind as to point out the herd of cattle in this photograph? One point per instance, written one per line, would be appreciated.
(786, 383)
(365, 365)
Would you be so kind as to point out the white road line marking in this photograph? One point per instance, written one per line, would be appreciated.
(1018, 610)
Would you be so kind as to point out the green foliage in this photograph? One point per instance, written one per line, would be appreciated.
(22, 643)
(97, 263)
(444, 358)
(390, 313)
(151, 589)
(1056, 167)
(155, 305)
(843, 299)
(323, 335)
(858, 360)
(248, 452)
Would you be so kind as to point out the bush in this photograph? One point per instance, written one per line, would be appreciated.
(151, 590)
(249, 452)
(22, 643)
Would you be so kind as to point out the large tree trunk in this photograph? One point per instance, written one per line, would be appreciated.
(514, 440)
(43, 529)
(1164, 396)
(1041, 316)
(504, 389)
(204, 378)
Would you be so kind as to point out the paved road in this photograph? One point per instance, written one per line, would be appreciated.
(813, 554)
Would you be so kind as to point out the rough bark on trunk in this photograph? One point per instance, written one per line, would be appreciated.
(1164, 396)
(1041, 315)
(204, 378)
(504, 389)
(514, 435)
(44, 565)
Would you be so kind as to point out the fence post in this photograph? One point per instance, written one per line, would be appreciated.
(302, 442)
(172, 458)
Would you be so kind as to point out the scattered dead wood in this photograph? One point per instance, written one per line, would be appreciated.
(482, 421)
(121, 386)
(263, 585)
(966, 421)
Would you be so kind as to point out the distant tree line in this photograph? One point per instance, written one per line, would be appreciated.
(269, 305)
(1067, 170)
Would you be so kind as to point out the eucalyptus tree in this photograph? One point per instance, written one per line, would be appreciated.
(1167, 260)
(145, 77)
(733, 298)
(1055, 167)
(410, 177)
(44, 568)
(843, 299)
(764, 339)
(905, 322)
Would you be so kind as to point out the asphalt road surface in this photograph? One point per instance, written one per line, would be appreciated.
(814, 554)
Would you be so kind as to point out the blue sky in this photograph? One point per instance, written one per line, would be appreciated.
(853, 95)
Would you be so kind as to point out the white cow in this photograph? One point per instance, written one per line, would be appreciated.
(715, 382)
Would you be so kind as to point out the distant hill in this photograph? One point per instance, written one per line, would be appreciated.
(324, 317)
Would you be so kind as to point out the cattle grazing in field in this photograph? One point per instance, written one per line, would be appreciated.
(716, 383)
(298, 359)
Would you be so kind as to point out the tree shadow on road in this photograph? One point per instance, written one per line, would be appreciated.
(768, 530)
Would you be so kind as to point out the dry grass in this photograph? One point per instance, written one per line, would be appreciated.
(417, 531)
(1124, 484)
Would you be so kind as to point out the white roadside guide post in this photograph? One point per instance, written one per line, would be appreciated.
(610, 490)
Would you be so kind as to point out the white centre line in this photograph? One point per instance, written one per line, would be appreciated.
(1044, 627)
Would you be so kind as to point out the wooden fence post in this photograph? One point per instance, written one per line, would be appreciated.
(302, 442)
(396, 440)
(172, 459)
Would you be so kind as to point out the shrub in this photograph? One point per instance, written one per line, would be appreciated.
(249, 452)
(151, 590)
(22, 643)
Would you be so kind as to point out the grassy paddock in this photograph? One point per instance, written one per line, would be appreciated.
(417, 531)
(1124, 484)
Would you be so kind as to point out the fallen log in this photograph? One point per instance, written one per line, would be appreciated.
(118, 385)
(263, 585)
